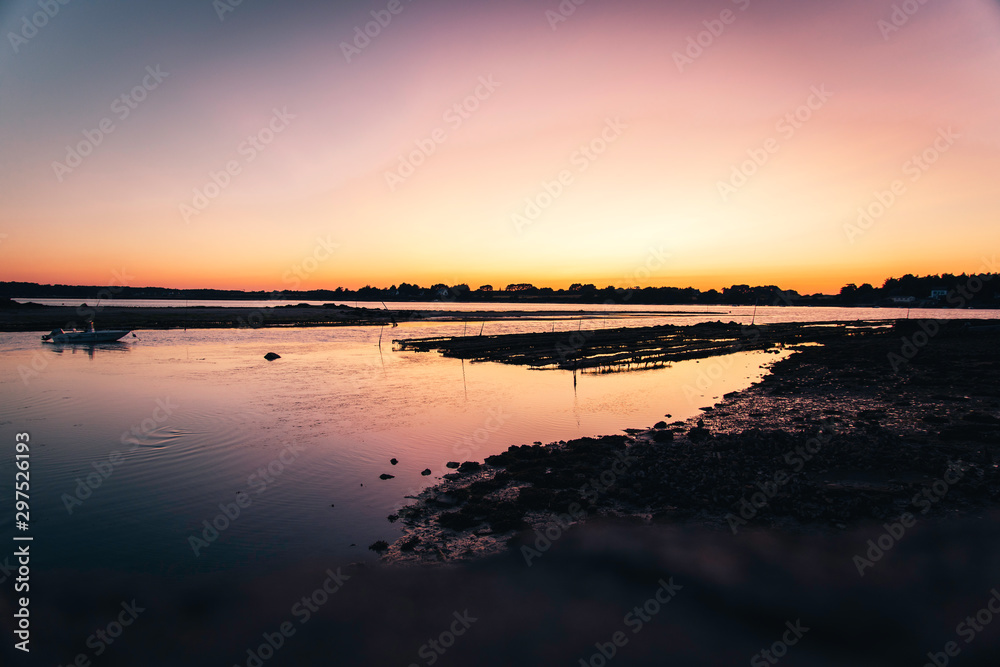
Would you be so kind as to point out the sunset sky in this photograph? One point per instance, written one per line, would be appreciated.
(352, 165)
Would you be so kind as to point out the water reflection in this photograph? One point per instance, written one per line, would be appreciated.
(351, 404)
(90, 349)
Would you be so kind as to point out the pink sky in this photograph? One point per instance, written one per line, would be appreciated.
(653, 191)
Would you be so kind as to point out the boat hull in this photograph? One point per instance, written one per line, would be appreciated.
(85, 337)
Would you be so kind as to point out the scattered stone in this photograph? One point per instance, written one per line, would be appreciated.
(660, 425)
(409, 544)
(393, 518)
(457, 521)
(393, 461)
(384, 476)
(271, 356)
(663, 436)
(469, 466)
(425, 472)
(452, 464)
(379, 546)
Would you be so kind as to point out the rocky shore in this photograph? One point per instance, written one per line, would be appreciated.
(860, 430)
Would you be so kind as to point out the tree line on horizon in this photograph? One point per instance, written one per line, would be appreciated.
(944, 289)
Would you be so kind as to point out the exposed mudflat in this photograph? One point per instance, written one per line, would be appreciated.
(857, 431)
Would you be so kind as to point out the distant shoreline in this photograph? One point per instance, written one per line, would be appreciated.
(44, 318)
(40, 318)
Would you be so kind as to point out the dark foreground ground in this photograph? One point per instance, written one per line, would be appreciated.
(846, 451)
(732, 598)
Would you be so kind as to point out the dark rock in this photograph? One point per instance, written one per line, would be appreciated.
(531, 498)
(457, 521)
(425, 472)
(409, 544)
(980, 418)
(452, 464)
(271, 356)
(393, 461)
(660, 425)
(393, 518)
(699, 433)
(379, 546)
(663, 436)
(469, 466)
(506, 517)
(384, 476)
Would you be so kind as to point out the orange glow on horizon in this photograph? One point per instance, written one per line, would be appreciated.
(802, 148)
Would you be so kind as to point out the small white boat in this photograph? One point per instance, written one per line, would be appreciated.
(87, 336)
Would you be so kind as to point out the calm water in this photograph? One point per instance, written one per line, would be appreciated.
(195, 416)
(183, 421)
